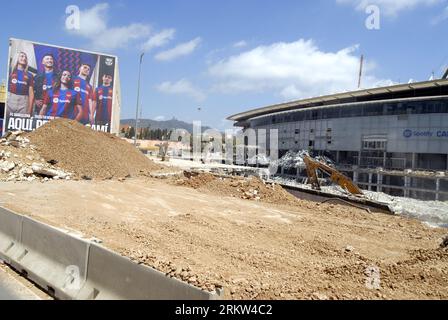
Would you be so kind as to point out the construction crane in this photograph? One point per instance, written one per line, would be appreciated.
(345, 182)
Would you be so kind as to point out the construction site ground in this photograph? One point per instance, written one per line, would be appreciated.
(251, 238)
(212, 233)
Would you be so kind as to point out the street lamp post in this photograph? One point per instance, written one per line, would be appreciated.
(138, 98)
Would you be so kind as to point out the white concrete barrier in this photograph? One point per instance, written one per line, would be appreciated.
(10, 231)
(51, 258)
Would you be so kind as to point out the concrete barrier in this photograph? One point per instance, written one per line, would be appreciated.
(51, 258)
(68, 267)
(10, 232)
(111, 276)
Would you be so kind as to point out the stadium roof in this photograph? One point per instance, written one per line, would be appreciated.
(379, 93)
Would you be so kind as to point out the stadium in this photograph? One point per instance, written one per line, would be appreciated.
(392, 139)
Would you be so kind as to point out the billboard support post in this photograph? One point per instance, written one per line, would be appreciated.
(138, 99)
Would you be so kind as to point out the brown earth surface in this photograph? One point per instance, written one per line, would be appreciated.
(253, 249)
(88, 153)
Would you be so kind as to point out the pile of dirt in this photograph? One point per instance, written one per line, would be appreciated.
(88, 153)
(251, 188)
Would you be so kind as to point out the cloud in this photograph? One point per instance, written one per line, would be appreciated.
(120, 37)
(182, 49)
(390, 7)
(293, 70)
(158, 40)
(94, 26)
(182, 87)
(240, 44)
(441, 17)
(159, 118)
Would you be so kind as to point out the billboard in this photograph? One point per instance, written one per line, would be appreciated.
(46, 82)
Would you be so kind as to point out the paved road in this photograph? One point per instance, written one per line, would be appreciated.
(5, 294)
(13, 289)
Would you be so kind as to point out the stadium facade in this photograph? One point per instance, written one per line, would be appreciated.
(392, 139)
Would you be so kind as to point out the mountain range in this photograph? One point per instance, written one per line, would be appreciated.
(165, 124)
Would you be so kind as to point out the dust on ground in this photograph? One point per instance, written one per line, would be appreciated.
(253, 249)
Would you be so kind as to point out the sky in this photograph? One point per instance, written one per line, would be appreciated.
(208, 59)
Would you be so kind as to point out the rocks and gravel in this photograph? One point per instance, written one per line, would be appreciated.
(19, 161)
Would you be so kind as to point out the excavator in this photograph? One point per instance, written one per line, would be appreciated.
(346, 183)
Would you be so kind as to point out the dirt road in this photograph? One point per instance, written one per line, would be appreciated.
(255, 250)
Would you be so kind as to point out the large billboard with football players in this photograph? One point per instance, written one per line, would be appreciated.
(47, 82)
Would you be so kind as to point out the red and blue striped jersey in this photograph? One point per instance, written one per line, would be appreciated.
(103, 98)
(48, 81)
(61, 103)
(42, 82)
(20, 82)
(86, 93)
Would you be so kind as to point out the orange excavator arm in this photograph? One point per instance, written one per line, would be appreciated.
(345, 182)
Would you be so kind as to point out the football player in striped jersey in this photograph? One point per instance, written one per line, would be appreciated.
(102, 105)
(61, 101)
(83, 87)
(20, 87)
(44, 81)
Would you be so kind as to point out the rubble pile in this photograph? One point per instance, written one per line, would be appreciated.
(251, 188)
(294, 159)
(65, 149)
(20, 161)
(259, 159)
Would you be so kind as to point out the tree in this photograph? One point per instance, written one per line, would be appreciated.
(145, 135)
(131, 133)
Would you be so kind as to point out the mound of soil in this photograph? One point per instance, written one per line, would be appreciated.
(251, 188)
(88, 153)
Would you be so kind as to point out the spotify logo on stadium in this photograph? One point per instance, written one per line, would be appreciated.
(55, 100)
(407, 133)
(77, 89)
